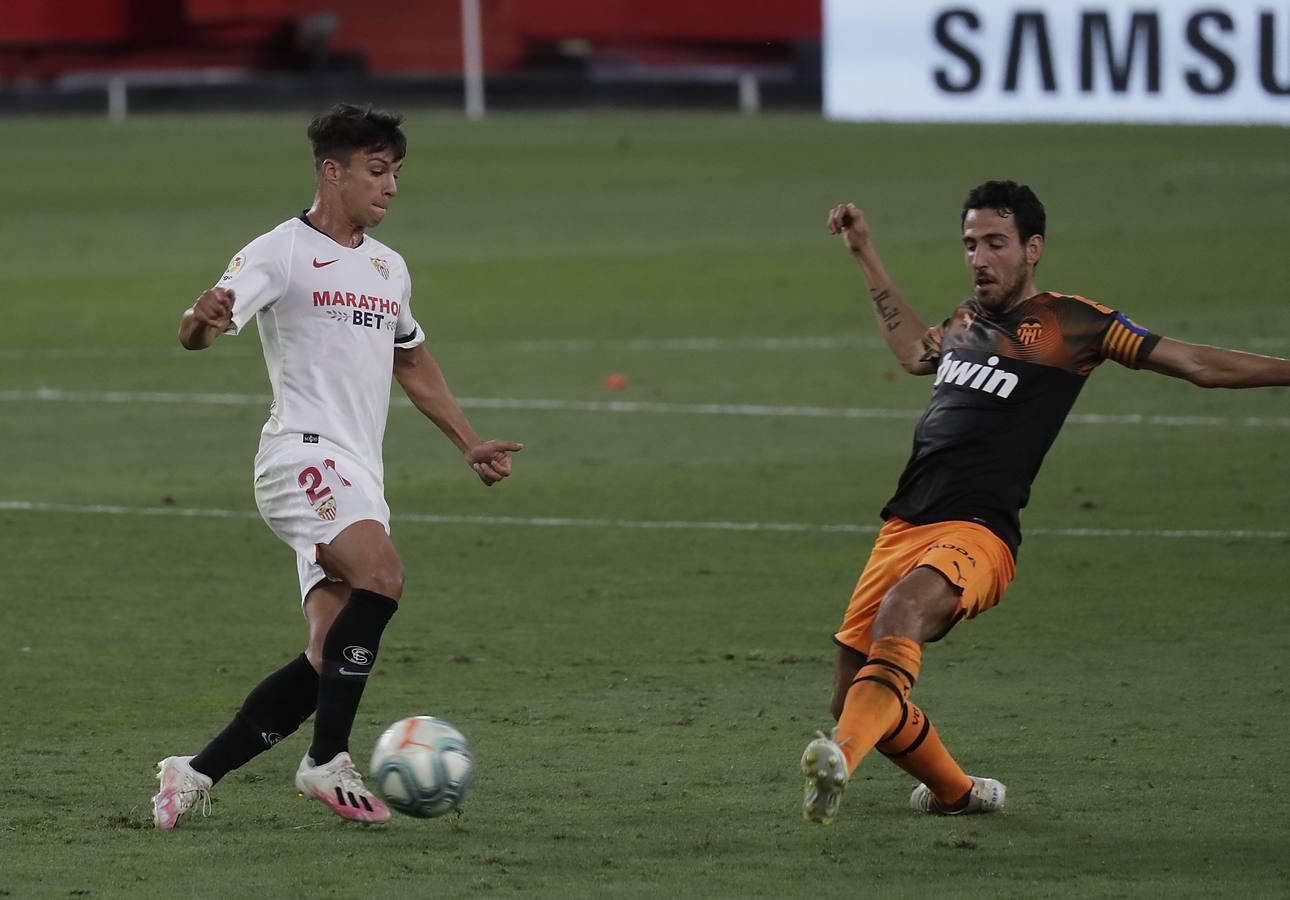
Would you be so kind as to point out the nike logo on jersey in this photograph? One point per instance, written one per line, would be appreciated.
(345, 671)
(319, 265)
(976, 376)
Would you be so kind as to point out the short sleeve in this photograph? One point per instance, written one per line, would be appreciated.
(407, 333)
(931, 342)
(257, 276)
(1126, 342)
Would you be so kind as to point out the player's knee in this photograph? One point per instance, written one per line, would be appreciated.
(387, 579)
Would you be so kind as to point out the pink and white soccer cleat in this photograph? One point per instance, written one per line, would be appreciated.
(339, 786)
(182, 787)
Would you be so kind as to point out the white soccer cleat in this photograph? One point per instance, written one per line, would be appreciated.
(986, 796)
(825, 769)
(339, 787)
(182, 787)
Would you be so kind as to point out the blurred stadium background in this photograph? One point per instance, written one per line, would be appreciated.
(624, 268)
(254, 54)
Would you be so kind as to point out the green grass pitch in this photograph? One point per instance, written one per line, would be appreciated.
(637, 698)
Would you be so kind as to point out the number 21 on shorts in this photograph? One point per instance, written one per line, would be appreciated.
(319, 494)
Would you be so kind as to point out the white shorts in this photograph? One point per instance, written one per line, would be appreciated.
(310, 492)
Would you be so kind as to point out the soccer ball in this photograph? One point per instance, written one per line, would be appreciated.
(422, 766)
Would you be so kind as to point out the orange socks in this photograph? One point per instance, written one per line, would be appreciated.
(916, 747)
(878, 713)
(876, 699)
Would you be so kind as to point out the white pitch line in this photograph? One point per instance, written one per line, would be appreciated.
(575, 345)
(535, 345)
(637, 524)
(197, 398)
(837, 342)
(58, 395)
(23, 354)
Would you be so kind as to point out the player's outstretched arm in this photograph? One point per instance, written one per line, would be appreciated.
(422, 380)
(901, 327)
(206, 319)
(1213, 367)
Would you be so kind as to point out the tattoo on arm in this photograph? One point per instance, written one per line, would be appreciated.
(889, 316)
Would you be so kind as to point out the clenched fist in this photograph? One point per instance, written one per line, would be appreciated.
(214, 309)
(848, 220)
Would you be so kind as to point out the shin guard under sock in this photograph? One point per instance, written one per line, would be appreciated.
(877, 695)
(275, 709)
(349, 652)
(915, 746)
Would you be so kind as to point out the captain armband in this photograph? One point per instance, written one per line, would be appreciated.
(1127, 342)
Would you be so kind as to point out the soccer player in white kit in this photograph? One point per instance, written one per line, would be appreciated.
(333, 309)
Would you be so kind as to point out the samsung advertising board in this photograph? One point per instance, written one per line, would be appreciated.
(1225, 61)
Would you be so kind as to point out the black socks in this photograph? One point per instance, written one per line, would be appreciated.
(349, 651)
(275, 709)
(281, 702)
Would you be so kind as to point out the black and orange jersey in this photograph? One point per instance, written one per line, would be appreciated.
(1004, 385)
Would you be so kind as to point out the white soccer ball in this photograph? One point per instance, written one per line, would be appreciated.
(422, 766)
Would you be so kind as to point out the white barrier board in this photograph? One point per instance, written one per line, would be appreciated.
(1047, 60)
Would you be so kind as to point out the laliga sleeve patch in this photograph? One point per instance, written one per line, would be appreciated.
(234, 266)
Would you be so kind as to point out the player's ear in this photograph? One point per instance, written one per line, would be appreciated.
(329, 172)
(1034, 249)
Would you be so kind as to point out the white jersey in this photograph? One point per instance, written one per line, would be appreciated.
(329, 319)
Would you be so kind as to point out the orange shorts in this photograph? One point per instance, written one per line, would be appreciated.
(970, 556)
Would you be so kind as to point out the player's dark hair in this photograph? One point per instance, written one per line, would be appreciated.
(1008, 198)
(345, 129)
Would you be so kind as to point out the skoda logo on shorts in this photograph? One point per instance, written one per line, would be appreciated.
(359, 656)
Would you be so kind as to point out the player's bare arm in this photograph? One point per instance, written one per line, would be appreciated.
(1215, 367)
(906, 334)
(206, 319)
(424, 383)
